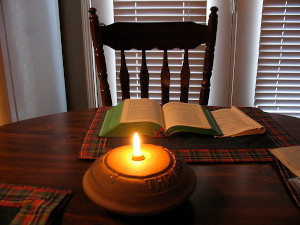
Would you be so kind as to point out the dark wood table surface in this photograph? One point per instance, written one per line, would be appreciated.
(44, 152)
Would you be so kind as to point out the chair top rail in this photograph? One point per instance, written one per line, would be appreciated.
(160, 35)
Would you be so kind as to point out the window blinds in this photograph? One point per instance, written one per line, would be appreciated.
(161, 11)
(278, 75)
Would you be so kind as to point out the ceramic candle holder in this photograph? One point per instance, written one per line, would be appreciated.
(156, 183)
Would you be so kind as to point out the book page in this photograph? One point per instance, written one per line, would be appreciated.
(234, 122)
(141, 110)
(184, 114)
(256, 124)
(290, 157)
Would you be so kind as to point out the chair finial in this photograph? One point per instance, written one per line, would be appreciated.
(214, 9)
(92, 11)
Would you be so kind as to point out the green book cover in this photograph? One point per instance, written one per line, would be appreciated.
(112, 126)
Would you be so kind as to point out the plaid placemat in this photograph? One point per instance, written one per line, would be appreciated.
(200, 148)
(289, 177)
(20, 204)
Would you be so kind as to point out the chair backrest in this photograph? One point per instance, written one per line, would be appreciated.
(146, 36)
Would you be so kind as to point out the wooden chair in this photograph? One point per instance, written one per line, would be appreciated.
(146, 36)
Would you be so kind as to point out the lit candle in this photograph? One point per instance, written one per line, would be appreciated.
(137, 154)
(138, 159)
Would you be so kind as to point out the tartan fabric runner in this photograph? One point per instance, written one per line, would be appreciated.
(200, 148)
(21, 204)
(286, 175)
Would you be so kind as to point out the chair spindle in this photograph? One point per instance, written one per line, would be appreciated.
(165, 79)
(124, 77)
(185, 78)
(144, 77)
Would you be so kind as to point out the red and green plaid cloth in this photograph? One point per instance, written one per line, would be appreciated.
(200, 148)
(20, 204)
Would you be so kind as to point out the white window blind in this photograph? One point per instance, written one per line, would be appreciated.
(278, 75)
(161, 11)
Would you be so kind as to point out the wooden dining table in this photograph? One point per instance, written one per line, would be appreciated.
(43, 151)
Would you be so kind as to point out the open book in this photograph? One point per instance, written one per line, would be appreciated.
(148, 117)
(233, 122)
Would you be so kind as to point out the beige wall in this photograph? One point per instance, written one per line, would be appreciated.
(5, 116)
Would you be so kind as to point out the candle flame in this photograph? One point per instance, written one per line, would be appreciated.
(137, 153)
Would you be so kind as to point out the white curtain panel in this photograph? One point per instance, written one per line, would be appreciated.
(34, 54)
